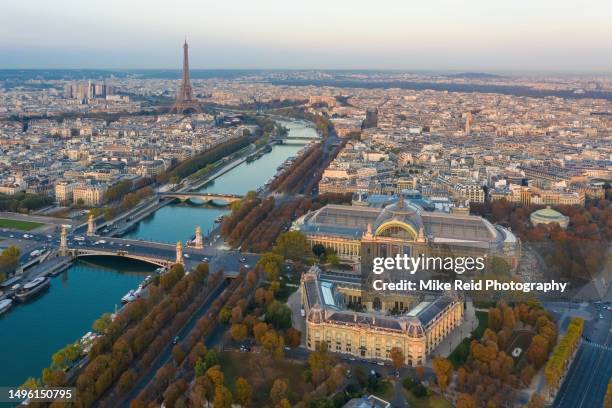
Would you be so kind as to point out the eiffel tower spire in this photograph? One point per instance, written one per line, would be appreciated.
(185, 102)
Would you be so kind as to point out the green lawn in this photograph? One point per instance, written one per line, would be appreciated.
(431, 401)
(483, 322)
(461, 352)
(20, 225)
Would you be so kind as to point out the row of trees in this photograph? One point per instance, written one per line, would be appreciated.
(322, 123)
(190, 356)
(23, 202)
(292, 179)
(263, 236)
(562, 354)
(120, 189)
(125, 350)
(203, 159)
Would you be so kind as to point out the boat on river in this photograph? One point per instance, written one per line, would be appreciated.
(32, 288)
(5, 305)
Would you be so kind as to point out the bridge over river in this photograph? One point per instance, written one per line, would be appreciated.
(225, 199)
(160, 254)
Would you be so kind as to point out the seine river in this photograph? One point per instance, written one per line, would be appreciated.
(32, 332)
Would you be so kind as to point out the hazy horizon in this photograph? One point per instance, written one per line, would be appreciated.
(440, 36)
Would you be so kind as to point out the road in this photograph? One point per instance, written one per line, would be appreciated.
(587, 380)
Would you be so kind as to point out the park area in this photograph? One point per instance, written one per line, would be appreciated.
(19, 225)
(260, 373)
(461, 352)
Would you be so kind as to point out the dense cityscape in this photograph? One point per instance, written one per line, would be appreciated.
(206, 238)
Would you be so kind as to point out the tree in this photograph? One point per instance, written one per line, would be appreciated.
(244, 392)
(397, 357)
(278, 391)
(466, 401)
(293, 337)
(126, 380)
(496, 319)
(318, 250)
(225, 314)
(171, 278)
(420, 372)
(259, 330)
(174, 392)
(443, 369)
(223, 397)
(199, 368)
(278, 315)
(101, 324)
(536, 401)
(272, 344)
(178, 354)
(291, 245)
(284, 403)
(211, 358)
(238, 331)
(216, 375)
(9, 259)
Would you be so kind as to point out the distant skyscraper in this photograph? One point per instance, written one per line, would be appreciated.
(468, 122)
(185, 103)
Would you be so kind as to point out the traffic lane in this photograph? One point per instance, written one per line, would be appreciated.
(586, 381)
(383, 368)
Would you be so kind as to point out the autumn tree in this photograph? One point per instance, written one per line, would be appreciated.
(397, 357)
(223, 397)
(278, 390)
(536, 401)
(243, 392)
(291, 245)
(466, 401)
(443, 369)
(293, 337)
(238, 331)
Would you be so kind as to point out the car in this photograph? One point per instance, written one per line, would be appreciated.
(186, 255)
(205, 259)
(243, 259)
(50, 236)
(380, 363)
(397, 374)
(175, 340)
(128, 245)
(247, 266)
(11, 236)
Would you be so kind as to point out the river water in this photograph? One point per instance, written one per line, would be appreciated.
(30, 333)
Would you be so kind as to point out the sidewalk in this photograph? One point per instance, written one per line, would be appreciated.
(470, 322)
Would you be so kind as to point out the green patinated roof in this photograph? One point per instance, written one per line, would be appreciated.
(549, 214)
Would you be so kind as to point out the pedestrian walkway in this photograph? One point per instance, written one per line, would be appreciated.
(470, 322)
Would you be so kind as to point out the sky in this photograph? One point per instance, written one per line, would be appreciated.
(457, 35)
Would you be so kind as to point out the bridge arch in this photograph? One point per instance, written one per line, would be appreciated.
(147, 259)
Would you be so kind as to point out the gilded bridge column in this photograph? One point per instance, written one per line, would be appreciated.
(198, 238)
(179, 253)
(91, 225)
(64, 241)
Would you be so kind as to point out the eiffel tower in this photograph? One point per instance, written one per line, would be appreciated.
(185, 103)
